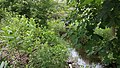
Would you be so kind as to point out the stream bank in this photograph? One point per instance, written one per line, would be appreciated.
(78, 62)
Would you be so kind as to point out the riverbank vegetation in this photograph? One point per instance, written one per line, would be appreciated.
(38, 33)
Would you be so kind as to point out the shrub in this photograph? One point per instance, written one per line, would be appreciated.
(40, 10)
(23, 37)
(49, 57)
(19, 32)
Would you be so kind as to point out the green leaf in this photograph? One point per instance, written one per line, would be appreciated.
(6, 63)
(98, 1)
(2, 64)
(87, 2)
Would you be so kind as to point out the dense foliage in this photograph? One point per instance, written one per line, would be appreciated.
(40, 10)
(49, 57)
(26, 37)
(20, 35)
(96, 32)
(36, 33)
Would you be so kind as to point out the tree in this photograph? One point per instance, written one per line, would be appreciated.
(40, 10)
(98, 20)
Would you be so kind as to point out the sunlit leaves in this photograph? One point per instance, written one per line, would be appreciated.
(106, 15)
(87, 2)
(19, 32)
(47, 56)
(99, 1)
(105, 33)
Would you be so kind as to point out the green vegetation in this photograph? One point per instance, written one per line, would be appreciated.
(98, 29)
(36, 33)
(49, 57)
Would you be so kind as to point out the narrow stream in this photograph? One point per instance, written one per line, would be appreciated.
(79, 62)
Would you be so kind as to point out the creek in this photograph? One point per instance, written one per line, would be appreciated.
(78, 62)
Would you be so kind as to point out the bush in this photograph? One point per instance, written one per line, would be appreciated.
(23, 37)
(19, 32)
(40, 10)
(49, 57)
(57, 25)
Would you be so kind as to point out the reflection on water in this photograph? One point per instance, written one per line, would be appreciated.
(79, 62)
